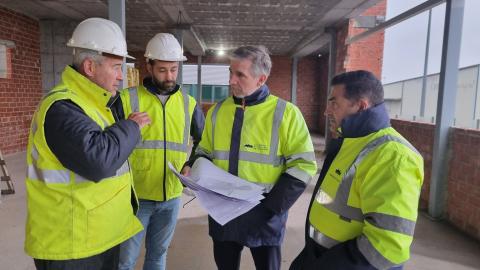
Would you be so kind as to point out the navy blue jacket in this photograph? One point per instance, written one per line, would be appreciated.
(264, 225)
(82, 146)
(345, 256)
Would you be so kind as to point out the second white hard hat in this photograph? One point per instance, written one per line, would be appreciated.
(99, 35)
(164, 47)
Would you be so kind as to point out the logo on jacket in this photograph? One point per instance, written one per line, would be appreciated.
(258, 147)
(338, 172)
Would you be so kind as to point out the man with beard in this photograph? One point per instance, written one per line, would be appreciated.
(175, 117)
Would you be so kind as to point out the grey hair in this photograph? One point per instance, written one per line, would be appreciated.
(261, 62)
(80, 55)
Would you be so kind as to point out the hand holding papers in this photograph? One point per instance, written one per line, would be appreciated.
(222, 194)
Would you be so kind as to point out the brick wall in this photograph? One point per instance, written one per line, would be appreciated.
(309, 94)
(463, 194)
(367, 53)
(463, 204)
(421, 136)
(280, 80)
(19, 94)
(364, 54)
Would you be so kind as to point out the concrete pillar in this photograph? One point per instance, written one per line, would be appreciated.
(199, 79)
(179, 35)
(294, 79)
(452, 36)
(116, 13)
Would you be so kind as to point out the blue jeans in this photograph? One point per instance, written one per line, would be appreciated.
(159, 220)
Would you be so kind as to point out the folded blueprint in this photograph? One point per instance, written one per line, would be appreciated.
(223, 195)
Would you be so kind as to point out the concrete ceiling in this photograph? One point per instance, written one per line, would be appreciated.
(286, 27)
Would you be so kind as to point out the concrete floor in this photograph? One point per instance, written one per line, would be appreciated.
(437, 245)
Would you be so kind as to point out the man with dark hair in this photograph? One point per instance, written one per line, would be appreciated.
(364, 207)
(176, 117)
(360, 84)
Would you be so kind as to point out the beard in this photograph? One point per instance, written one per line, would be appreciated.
(164, 86)
(236, 91)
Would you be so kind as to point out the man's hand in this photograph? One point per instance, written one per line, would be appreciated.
(257, 217)
(141, 118)
(186, 171)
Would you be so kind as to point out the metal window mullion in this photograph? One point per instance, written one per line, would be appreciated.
(199, 79)
(425, 66)
(116, 13)
(294, 79)
(401, 99)
(178, 33)
(445, 105)
(476, 98)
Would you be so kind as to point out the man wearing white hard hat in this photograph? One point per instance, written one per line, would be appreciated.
(80, 199)
(175, 117)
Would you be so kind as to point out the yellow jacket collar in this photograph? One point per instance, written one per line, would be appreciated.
(85, 88)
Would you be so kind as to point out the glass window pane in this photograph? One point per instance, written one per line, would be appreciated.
(221, 92)
(206, 93)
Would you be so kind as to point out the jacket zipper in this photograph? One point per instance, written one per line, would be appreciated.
(164, 152)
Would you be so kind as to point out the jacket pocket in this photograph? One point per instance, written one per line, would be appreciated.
(108, 222)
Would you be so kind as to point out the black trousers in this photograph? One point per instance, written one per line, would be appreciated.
(227, 256)
(107, 260)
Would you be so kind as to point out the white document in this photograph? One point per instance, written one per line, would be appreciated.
(223, 195)
(223, 210)
(220, 181)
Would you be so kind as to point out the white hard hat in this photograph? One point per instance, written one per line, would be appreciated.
(99, 35)
(164, 47)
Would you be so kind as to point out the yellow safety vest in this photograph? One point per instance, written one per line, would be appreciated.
(68, 216)
(370, 193)
(274, 140)
(165, 140)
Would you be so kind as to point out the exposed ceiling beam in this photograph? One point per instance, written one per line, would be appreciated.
(397, 19)
(254, 27)
(193, 42)
(63, 9)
